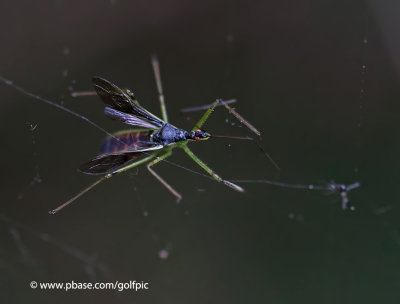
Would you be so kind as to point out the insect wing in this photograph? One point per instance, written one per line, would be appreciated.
(107, 163)
(129, 142)
(118, 100)
(128, 118)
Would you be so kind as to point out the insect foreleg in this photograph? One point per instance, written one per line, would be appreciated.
(203, 119)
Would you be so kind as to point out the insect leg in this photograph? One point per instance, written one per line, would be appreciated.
(206, 107)
(203, 119)
(108, 176)
(156, 69)
(160, 179)
(240, 118)
(83, 93)
(210, 171)
(231, 111)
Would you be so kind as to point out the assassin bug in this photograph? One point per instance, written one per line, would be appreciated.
(128, 149)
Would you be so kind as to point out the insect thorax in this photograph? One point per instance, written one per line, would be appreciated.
(169, 134)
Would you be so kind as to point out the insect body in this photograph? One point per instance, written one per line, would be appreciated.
(151, 144)
(169, 134)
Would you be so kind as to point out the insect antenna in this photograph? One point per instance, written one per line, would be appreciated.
(254, 141)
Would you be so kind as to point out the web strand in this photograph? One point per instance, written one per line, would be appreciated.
(37, 178)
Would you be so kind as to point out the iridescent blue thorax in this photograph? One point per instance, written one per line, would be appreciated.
(169, 134)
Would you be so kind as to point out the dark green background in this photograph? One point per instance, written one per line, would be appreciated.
(295, 68)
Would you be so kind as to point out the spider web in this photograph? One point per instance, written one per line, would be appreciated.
(163, 243)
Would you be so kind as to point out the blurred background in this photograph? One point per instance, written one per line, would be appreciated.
(318, 78)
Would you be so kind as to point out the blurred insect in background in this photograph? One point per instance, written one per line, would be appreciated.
(341, 190)
(151, 144)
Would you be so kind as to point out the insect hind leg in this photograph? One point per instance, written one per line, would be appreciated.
(106, 177)
(160, 179)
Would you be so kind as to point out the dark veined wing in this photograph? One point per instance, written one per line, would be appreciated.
(108, 163)
(121, 106)
(128, 118)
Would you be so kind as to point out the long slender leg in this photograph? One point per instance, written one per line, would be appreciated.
(203, 119)
(206, 107)
(108, 176)
(240, 118)
(210, 171)
(156, 69)
(231, 111)
(83, 93)
(184, 111)
(161, 180)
